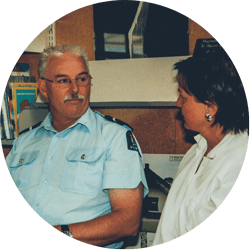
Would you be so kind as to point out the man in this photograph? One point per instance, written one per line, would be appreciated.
(79, 171)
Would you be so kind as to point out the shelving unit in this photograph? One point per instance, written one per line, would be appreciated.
(7, 143)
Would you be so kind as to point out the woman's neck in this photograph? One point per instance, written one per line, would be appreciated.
(214, 136)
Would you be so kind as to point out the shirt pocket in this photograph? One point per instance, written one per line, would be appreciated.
(21, 168)
(83, 172)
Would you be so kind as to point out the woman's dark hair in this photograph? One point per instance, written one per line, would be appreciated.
(214, 79)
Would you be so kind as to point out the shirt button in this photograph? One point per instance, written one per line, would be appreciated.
(51, 157)
(37, 203)
(83, 156)
(44, 180)
(21, 160)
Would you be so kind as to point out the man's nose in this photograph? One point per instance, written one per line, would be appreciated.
(74, 87)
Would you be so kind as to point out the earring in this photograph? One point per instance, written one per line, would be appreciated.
(208, 117)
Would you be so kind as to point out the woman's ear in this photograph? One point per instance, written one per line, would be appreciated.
(42, 87)
(212, 108)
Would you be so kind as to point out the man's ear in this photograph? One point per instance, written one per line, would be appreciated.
(42, 87)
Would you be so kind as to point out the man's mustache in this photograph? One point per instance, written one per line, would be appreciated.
(73, 96)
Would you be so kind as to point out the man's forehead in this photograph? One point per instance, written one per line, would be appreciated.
(65, 57)
(65, 62)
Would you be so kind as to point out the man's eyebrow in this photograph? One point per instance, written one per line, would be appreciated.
(83, 73)
(60, 75)
(64, 75)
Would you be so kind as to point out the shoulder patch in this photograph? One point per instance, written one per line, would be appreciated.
(132, 145)
(112, 119)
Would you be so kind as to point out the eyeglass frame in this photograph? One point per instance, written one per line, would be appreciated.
(70, 80)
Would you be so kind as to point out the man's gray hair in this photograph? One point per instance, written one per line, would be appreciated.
(58, 51)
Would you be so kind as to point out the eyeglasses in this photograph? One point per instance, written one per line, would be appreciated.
(64, 81)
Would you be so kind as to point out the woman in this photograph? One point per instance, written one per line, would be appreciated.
(213, 103)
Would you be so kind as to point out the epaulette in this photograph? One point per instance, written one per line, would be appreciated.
(131, 141)
(30, 128)
(112, 119)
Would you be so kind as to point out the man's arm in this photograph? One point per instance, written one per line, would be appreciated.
(123, 221)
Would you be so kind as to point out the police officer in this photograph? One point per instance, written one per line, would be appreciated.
(80, 171)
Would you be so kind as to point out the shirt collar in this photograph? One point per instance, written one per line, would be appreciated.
(201, 141)
(202, 144)
(86, 119)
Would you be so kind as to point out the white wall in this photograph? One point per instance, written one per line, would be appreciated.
(134, 80)
(39, 43)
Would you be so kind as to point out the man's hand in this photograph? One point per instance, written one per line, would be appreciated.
(58, 227)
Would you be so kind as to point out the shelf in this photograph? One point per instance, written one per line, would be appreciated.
(6, 142)
(145, 105)
(93, 105)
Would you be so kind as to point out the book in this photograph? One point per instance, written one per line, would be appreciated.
(23, 94)
(206, 47)
(9, 113)
(10, 121)
(2, 131)
(28, 79)
(5, 116)
(21, 69)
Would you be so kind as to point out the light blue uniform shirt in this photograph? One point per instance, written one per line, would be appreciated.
(65, 176)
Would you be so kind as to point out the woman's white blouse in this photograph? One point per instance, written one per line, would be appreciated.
(193, 197)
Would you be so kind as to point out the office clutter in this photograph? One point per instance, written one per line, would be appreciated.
(32, 117)
(20, 93)
(151, 207)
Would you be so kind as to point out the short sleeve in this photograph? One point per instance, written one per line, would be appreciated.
(124, 164)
